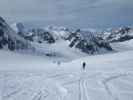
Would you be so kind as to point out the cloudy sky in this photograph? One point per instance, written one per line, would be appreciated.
(72, 13)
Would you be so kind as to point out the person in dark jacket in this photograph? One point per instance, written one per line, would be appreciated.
(83, 65)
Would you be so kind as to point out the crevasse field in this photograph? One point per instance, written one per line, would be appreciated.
(107, 77)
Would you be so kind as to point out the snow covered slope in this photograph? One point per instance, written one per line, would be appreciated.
(108, 77)
(88, 42)
(85, 41)
(118, 35)
(45, 74)
(9, 39)
(36, 41)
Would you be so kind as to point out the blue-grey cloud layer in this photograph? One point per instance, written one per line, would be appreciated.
(75, 13)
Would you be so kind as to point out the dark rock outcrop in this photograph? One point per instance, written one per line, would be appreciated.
(88, 42)
(119, 35)
(35, 34)
(9, 39)
(40, 35)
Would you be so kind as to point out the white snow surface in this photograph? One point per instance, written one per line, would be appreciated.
(106, 77)
(59, 51)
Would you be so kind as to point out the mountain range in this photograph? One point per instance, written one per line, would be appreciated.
(52, 41)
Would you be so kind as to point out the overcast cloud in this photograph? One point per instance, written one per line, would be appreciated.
(72, 13)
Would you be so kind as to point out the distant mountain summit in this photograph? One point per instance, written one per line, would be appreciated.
(51, 41)
(118, 35)
(88, 42)
(9, 39)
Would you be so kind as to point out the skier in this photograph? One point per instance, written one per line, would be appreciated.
(83, 65)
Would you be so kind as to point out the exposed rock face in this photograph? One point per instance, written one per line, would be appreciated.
(88, 42)
(119, 35)
(9, 39)
(40, 35)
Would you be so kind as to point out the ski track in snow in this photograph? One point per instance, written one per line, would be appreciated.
(106, 85)
(83, 90)
(53, 86)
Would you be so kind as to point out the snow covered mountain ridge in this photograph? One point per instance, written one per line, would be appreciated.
(9, 39)
(85, 41)
(118, 35)
(52, 41)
